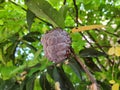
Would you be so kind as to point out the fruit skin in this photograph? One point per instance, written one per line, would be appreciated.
(56, 45)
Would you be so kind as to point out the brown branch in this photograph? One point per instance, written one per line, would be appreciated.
(92, 79)
(76, 9)
(64, 2)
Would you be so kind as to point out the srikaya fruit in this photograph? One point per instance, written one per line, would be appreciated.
(56, 45)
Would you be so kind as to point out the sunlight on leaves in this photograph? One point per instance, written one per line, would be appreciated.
(84, 28)
(1, 22)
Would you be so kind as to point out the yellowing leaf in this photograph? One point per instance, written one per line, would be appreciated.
(114, 51)
(84, 28)
(57, 86)
(115, 86)
(117, 51)
(111, 51)
(112, 81)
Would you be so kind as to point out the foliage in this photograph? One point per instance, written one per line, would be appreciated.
(22, 62)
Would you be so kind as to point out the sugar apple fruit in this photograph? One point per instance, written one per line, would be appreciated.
(56, 45)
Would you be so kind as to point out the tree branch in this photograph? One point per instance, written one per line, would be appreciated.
(112, 34)
(99, 46)
(64, 2)
(17, 5)
(86, 39)
(76, 9)
(92, 79)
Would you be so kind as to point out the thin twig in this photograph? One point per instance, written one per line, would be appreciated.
(118, 26)
(112, 34)
(86, 39)
(64, 2)
(93, 47)
(95, 42)
(99, 46)
(100, 64)
(107, 32)
(76, 9)
(18, 5)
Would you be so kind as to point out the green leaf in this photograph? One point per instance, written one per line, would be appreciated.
(63, 11)
(5, 72)
(30, 83)
(77, 42)
(1, 22)
(76, 68)
(117, 4)
(84, 1)
(11, 51)
(36, 85)
(34, 69)
(30, 17)
(1, 57)
(91, 52)
(9, 84)
(16, 70)
(44, 10)
(91, 64)
(1, 1)
(37, 54)
(45, 85)
(104, 85)
(60, 76)
(32, 36)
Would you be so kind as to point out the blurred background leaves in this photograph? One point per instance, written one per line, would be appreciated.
(22, 62)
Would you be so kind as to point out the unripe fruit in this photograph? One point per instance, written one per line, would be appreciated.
(56, 45)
